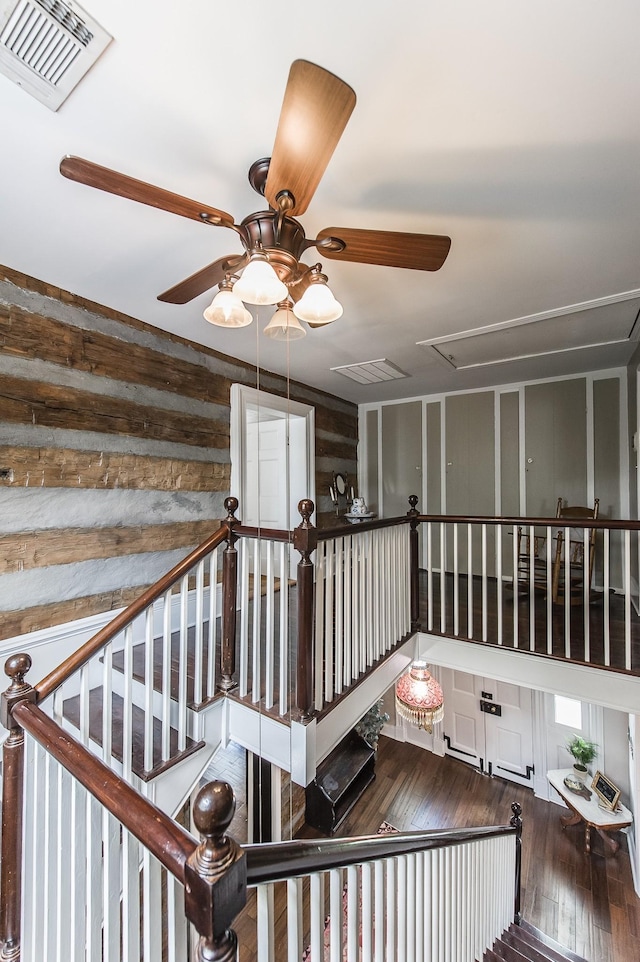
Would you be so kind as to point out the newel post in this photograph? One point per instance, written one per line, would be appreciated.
(229, 597)
(305, 540)
(16, 668)
(516, 821)
(215, 888)
(414, 562)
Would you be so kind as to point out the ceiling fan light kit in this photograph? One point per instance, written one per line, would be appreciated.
(315, 110)
(259, 283)
(284, 325)
(227, 310)
(317, 305)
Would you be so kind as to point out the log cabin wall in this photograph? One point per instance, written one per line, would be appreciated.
(114, 451)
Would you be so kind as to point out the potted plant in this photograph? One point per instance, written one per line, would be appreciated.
(583, 752)
(371, 724)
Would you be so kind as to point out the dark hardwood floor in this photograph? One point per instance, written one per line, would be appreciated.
(586, 902)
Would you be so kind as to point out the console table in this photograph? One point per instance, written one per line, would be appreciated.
(589, 811)
(340, 781)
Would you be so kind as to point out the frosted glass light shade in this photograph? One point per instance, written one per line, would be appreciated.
(284, 325)
(227, 310)
(259, 283)
(318, 305)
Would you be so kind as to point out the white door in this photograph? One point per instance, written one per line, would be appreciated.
(488, 724)
(266, 489)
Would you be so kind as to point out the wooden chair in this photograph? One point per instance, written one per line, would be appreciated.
(574, 547)
(532, 555)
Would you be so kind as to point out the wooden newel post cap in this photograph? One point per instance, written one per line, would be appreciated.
(516, 819)
(215, 874)
(231, 506)
(306, 507)
(16, 667)
(413, 500)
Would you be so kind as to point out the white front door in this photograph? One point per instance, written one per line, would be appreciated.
(488, 724)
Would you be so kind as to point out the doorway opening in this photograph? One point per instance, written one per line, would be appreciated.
(272, 457)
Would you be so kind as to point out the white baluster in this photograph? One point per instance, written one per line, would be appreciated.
(456, 585)
(320, 574)
(107, 702)
(335, 915)
(353, 920)
(627, 600)
(485, 581)
(151, 899)
(332, 630)
(606, 544)
(127, 706)
(285, 552)
(429, 577)
(166, 675)
(148, 687)
(316, 904)
(392, 910)
(265, 923)
(243, 684)
(339, 615)
(182, 663)
(256, 680)
(198, 653)
(269, 655)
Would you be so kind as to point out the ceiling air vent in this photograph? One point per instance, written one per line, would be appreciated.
(369, 372)
(47, 46)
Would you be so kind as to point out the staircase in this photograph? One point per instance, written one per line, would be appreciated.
(526, 943)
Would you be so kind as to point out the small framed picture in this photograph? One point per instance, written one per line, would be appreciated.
(607, 792)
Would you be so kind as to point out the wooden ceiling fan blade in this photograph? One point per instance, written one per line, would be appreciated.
(204, 279)
(315, 111)
(86, 172)
(418, 252)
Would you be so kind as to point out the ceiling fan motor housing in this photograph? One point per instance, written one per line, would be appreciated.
(258, 231)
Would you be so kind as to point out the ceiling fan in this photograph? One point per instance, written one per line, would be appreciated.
(315, 111)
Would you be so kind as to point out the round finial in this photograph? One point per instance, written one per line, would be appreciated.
(16, 667)
(515, 820)
(231, 506)
(413, 500)
(213, 809)
(306, 507)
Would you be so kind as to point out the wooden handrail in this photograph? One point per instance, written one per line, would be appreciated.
(339, 531)
(598, 523)
(75, 661)
(272, 862)
(168, 841)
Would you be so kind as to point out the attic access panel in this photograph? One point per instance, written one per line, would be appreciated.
(598, 324)
(47, 46)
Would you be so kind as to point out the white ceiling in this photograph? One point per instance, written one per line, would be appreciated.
(512, 127)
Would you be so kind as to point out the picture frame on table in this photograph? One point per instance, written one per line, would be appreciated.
(607, 792)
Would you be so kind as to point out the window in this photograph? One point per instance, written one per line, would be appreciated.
(568, 711)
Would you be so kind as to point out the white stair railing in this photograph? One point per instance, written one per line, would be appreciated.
(448, 899)
(502, 580)
(92, 892)
(362, 604)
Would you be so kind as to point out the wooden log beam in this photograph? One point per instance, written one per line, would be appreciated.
(49, 467)
(56, 406)
(56, 546)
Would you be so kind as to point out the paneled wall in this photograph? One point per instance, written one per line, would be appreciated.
(114, 451)
(509, 450)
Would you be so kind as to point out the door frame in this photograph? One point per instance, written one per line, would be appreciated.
(242, 399)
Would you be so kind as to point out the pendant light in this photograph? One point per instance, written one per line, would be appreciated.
(259, 283)
(284, 325)
(318, 305)
(226, 309)
(419, 697)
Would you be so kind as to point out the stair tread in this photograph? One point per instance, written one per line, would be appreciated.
(139, 668)
(71, 711)
(531, 948)
(554, 950)
(507, 952)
